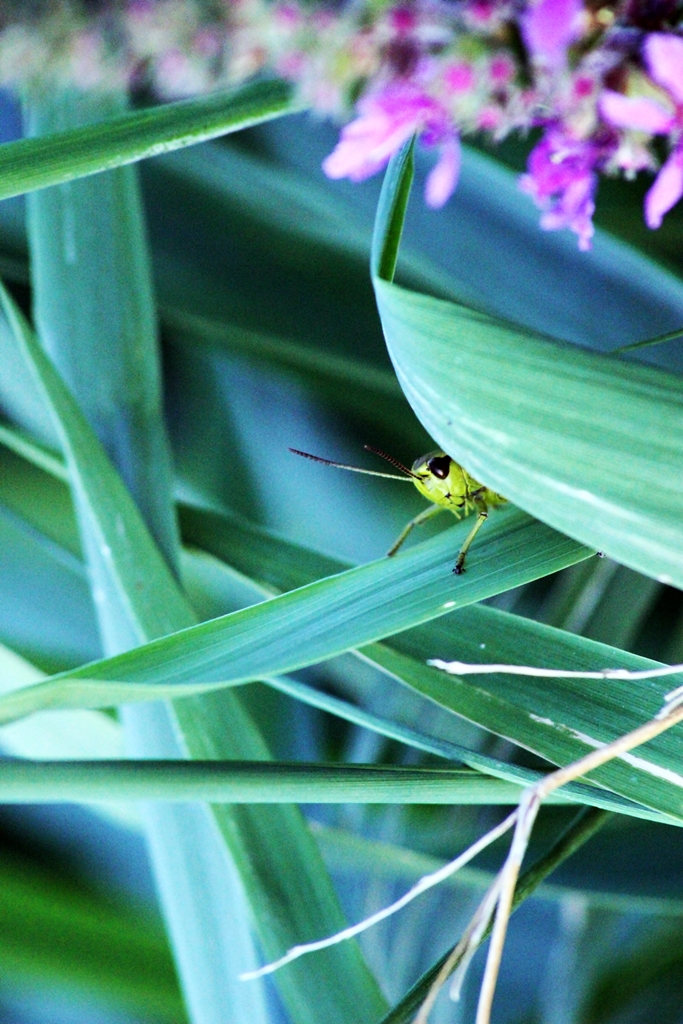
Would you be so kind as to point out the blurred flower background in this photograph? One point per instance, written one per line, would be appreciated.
(550, 162)
(601, 82)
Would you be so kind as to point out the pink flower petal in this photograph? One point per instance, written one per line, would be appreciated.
(366, 145)
(385, 120)
(666, 191)
(549, 27)
(664, 54)
(444, 176)
(639, 113)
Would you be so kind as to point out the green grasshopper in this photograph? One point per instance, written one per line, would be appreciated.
(443, 482)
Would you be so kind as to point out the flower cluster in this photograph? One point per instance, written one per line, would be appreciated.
(603, 84)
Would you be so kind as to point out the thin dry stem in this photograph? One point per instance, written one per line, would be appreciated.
(528, 809)
(458, 962)
(425, 883)
(500, 896)
(529, 805)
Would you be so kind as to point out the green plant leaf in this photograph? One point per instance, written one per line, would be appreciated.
(36, 163)
(391, 212)
(590, 444)
(136, 569)
(561, 719)
(281, 565)
(315, 622)
(82, 234)
(246, 782)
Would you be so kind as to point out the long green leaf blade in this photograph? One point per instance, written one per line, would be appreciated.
(560, 719)
(316, 622)
(84, 234)
(36, 163)
(131, 554)
(247, 782)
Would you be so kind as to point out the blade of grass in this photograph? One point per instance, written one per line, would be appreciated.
(250, 782)
(391, 212)
(315, 622)
(37, 163)
(67, 226)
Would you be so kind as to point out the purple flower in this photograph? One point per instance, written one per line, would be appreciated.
(549, 27)
(561, 179)
(664, 57)
(387, 118)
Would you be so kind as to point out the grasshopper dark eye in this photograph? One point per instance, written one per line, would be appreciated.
(443, 482)
(440, 466)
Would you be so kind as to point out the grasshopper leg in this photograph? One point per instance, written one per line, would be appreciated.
(417, 521)
(481, 519)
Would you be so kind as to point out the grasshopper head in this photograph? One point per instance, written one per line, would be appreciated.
(441, 479)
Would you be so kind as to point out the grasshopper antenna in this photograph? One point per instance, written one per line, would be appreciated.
(357, 469)
(392, 460)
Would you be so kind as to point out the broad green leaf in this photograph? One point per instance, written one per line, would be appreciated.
(36, 163)
(591, 444)
(314, 622)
